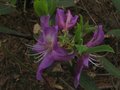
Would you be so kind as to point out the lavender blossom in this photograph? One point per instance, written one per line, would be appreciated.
(84, 60)
(47, 47)
(65, 21)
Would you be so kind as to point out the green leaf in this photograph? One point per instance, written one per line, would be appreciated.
(115, 32)
(8, 31)
(65, 3)
(101, 48)
(52, 4)
(45, 7)
(117, 4)
(88, 28)
(110, 67)
(81, 48)
(41, 7)
(79, 32)
(87, 83)
(4, 9)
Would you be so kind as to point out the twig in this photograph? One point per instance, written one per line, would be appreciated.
(24, 7)
(88, 12)
(21, 36)
(70, 88)
(116, 19)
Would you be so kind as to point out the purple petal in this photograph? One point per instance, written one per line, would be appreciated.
(40, 39)
(38, 47)
(65, 21)
(98, 37)
(44, 21)
(86, 60)
(60, 18)
(62, 55)
(68, 20)
(47, 40)
(73, 21)
(81, 63)
(50, 35)
(78, 71)
(46, 62)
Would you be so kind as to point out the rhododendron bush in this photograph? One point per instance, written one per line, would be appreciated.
(62, 36)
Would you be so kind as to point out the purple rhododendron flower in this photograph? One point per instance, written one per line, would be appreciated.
(47, 47)
(65, 21)
(83, 61)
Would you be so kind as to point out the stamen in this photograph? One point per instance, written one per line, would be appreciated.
(41, 55)
(94, 59)
(34, 54)
(97, 65)
(96, 56)
(38, 60)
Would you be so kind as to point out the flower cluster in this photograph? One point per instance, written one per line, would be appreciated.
(48, 45)
(84, 60)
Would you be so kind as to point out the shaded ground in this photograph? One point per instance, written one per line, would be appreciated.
(17, 70)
